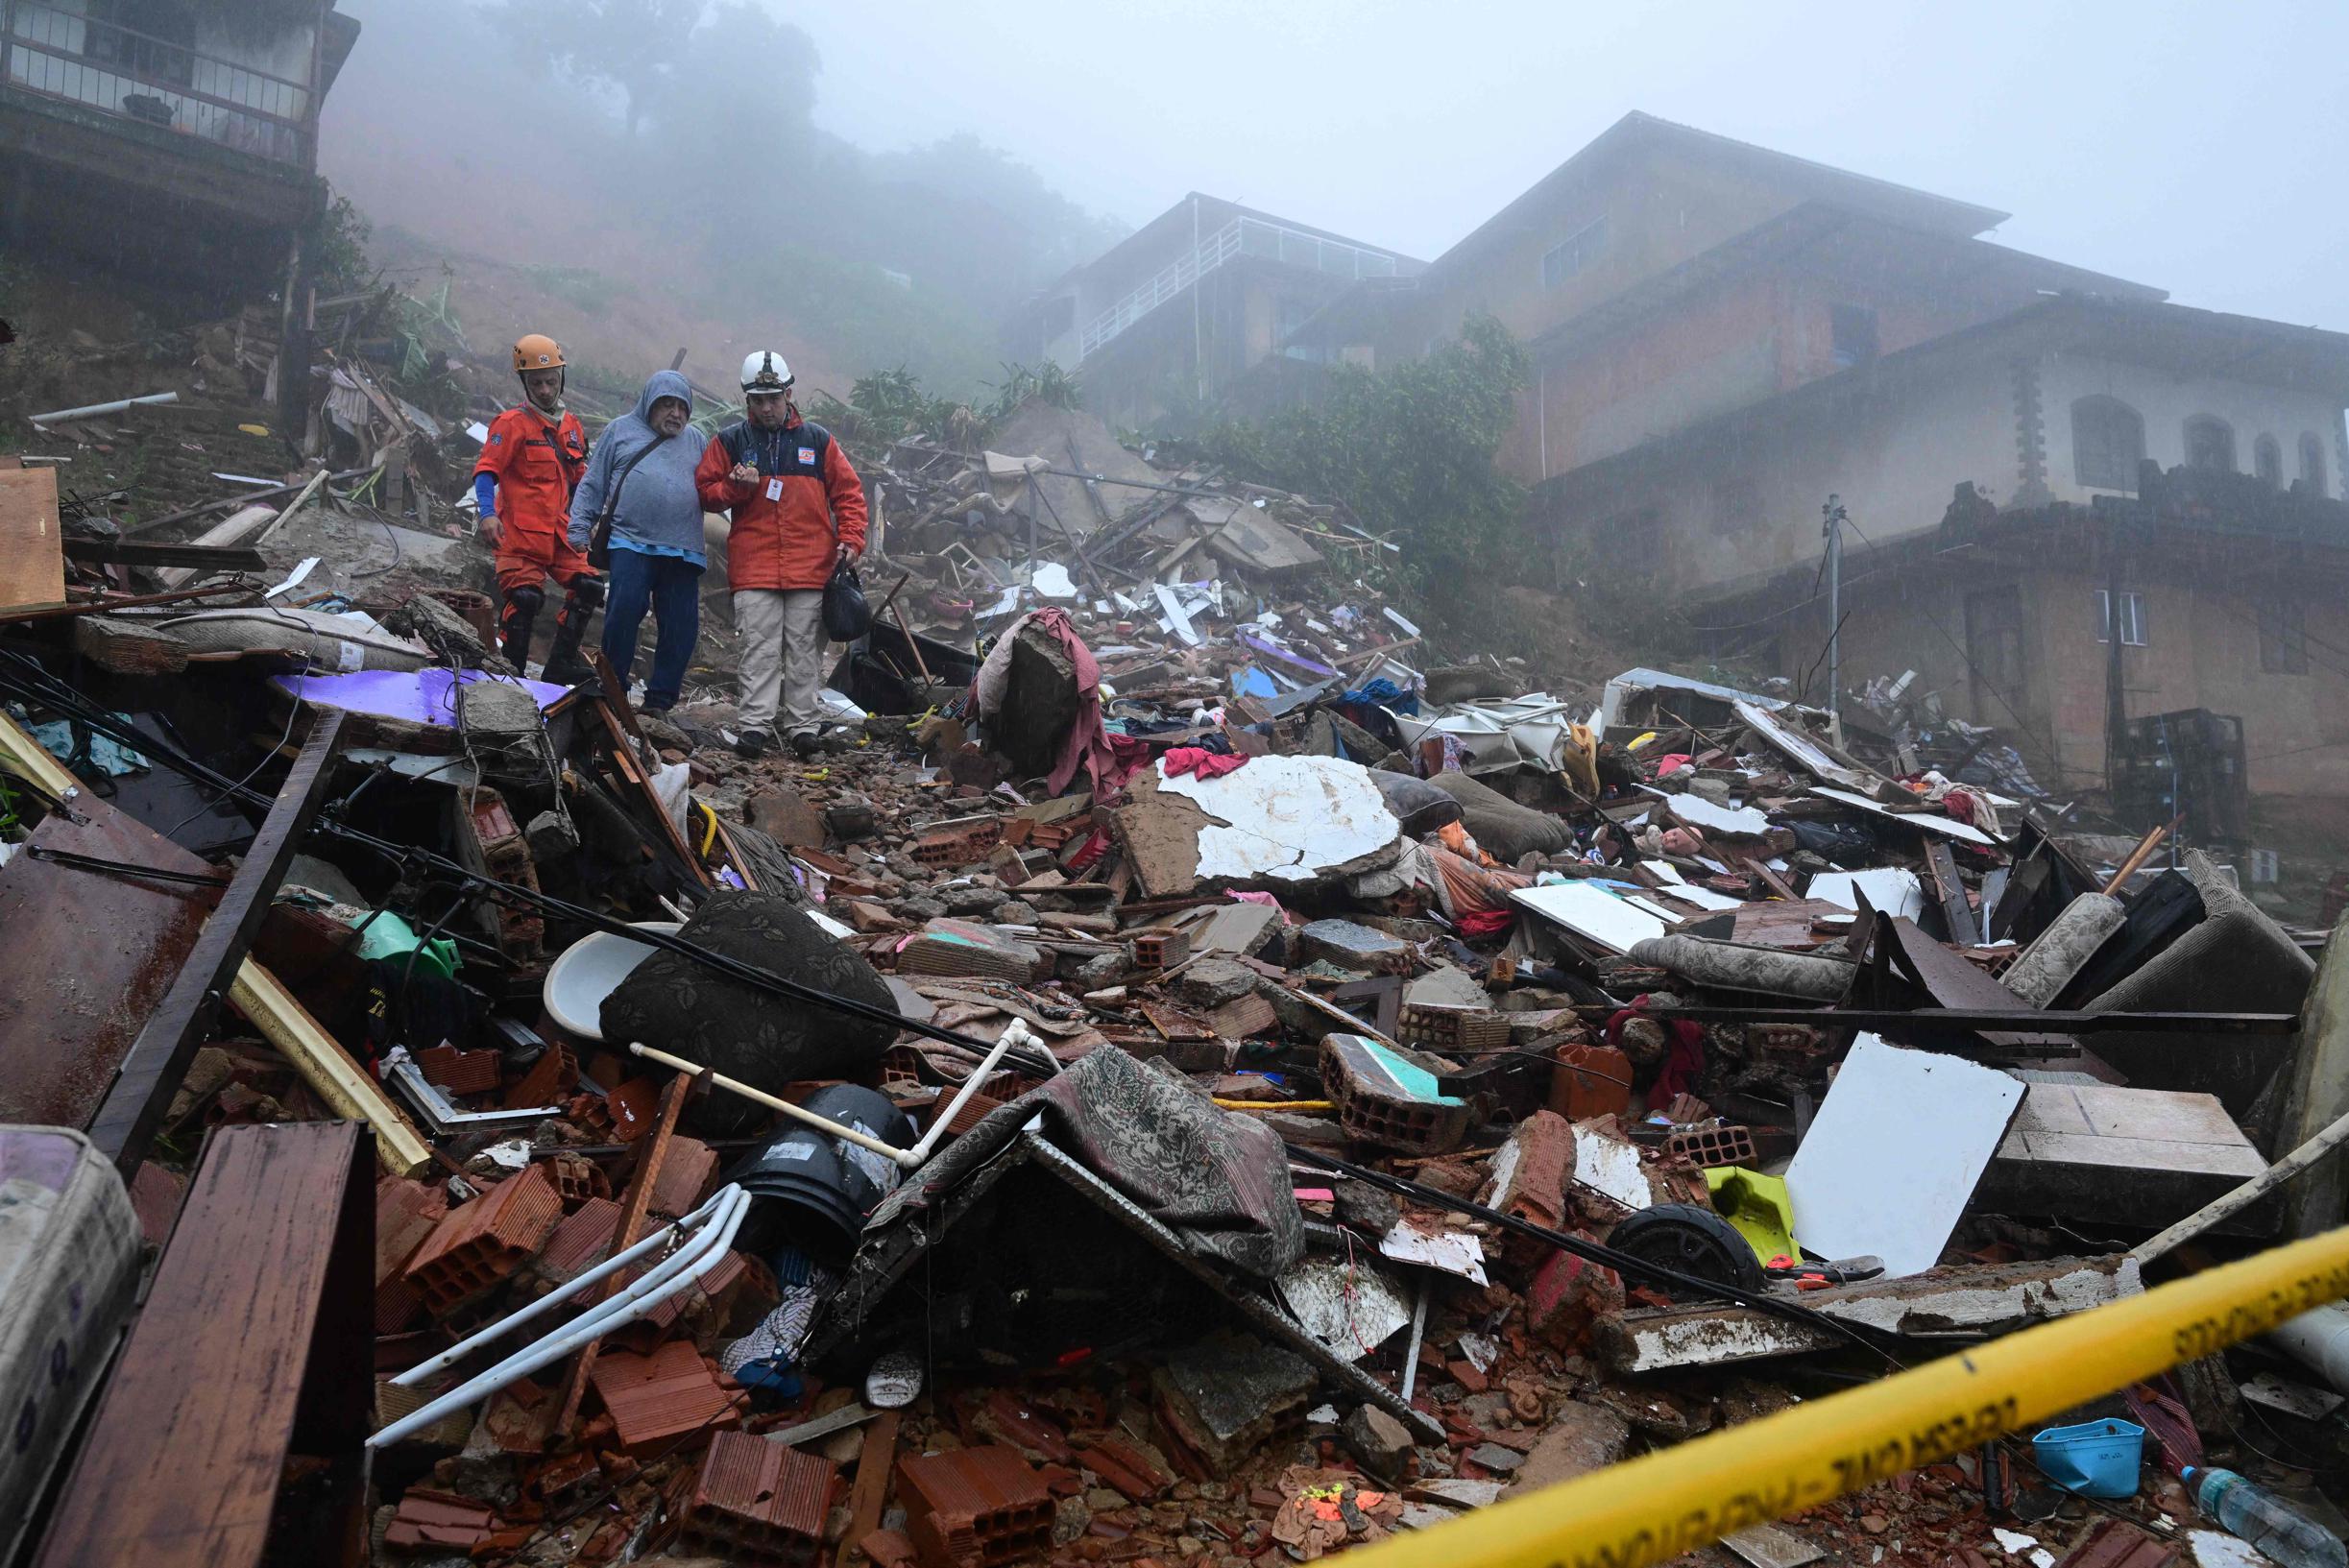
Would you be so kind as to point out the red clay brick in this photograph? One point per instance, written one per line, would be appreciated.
(665, 1394)
(479, 1246)
(428, 1518)
(553, 1075)
(973, 1505)
(759, 1503)
(632, 1108)
(460, 1072)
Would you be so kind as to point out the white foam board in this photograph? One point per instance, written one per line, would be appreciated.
(1893, 889)
(1588, 913)
(1945, 826)
(1894, 1155)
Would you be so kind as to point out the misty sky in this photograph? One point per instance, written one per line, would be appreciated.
(2196, 146)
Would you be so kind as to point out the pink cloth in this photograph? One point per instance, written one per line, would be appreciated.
(1200, 762)
(1089, 745)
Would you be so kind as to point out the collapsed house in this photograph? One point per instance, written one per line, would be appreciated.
(1189, 1071)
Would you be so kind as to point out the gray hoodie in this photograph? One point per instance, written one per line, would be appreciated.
(658, 510)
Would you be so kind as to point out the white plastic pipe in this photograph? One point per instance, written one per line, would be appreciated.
(1016, 1034)
(423, 1371)
(95, 409)
(2319, 1341)
(688, 1263)
(908, 1158)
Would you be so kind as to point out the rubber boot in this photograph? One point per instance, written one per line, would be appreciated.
(564, 665)
(521, 614)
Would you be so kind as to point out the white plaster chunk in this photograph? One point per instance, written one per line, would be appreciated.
(1288, 818)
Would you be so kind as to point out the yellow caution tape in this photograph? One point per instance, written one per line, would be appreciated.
(1664, 1505)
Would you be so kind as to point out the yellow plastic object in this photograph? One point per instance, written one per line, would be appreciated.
(1664, 1505)
(1302, 1107)
(261, 430)
(1641, 741)
(1758, 1206)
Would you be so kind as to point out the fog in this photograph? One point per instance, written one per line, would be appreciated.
(976, 153)
(2192, 146)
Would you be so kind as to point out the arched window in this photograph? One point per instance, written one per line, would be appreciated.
(2210, 443)
(2108, 441)
(2312, 464)
(2268, 462)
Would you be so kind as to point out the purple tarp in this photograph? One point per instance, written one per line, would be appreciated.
(423, 697)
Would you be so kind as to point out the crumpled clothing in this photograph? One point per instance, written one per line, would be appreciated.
(1666, 767)
(1959, 802)
(107, 756)
(1686, 1057)
(1380, 693)
(1089, 745)
(781, 1332)
(1201, 762)
(1456, 838)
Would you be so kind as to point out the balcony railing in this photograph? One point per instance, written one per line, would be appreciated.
(81, 60)
(1241, 236)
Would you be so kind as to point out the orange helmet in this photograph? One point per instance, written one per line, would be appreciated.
(537, 351)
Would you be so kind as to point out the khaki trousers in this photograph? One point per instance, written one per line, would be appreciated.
(782, 656)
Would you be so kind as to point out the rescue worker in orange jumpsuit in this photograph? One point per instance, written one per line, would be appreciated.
(529, 466)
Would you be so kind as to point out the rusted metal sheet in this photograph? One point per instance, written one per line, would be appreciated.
(254, 1347)
(90, 957)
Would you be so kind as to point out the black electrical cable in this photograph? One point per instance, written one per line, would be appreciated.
(54, 695)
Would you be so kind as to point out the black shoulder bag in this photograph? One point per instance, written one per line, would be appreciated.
(847, 615)
(599, 532)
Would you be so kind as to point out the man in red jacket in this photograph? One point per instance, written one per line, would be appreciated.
(529, 466)
(798, 511)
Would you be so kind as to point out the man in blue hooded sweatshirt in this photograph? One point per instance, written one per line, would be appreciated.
(641, 473)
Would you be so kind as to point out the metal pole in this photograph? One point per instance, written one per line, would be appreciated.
(1199, 278)
(2116, 698)
(1834, 515)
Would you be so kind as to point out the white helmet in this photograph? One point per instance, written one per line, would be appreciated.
(766, 372)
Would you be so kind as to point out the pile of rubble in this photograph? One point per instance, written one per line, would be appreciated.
(1186, 1074)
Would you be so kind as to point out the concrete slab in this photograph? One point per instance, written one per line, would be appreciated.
(2144, 1157)
(1987, 1298)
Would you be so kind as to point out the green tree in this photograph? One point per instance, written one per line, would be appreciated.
(1411, 450)
(631, 45)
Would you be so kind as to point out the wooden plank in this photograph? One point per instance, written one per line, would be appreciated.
(131, 553)
(621, 724)
(158, 1059)
(625, 1233)
(1950, 894)
(254, 1349)
(346, 1088)
(876, 1462)
(32, 563)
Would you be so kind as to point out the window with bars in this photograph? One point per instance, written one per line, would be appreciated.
(2210, 443)
(2108, 442)
(1575, 255)
(2284, 637)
